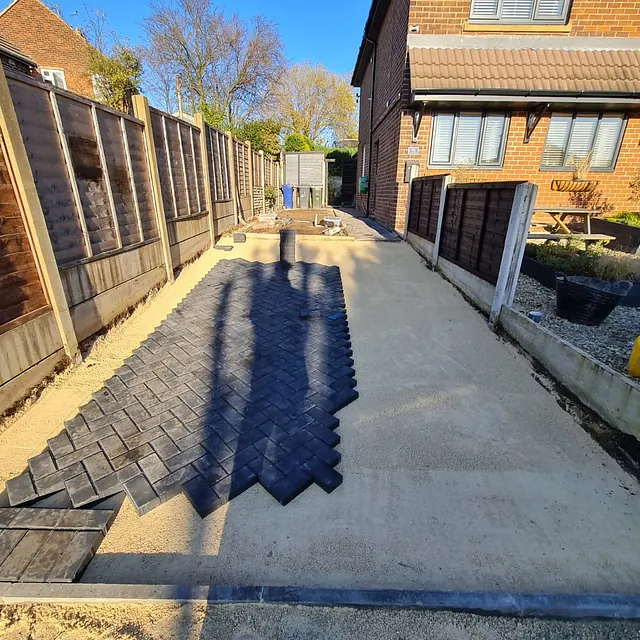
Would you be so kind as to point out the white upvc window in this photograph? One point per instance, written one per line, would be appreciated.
(468, 139)
(573, 137)
(520, 11)
(54, 77)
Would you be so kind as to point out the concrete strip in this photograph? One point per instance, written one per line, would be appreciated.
(523, 605)
(613, 397)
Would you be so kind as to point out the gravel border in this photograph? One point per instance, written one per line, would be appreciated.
(610, 343)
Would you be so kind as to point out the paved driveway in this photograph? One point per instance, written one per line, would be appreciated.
(460, 470)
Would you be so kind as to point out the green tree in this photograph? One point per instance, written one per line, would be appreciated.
(264, 135)
(312, 101)
(297, 142)
(116, 76)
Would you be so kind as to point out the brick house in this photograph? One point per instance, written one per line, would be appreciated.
(497, 90)
(15, 60)
(60, 52)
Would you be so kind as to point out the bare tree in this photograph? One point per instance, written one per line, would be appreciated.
(313, 102)
(226, 65)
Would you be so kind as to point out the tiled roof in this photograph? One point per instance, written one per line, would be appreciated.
(11, 50)
(524, 70)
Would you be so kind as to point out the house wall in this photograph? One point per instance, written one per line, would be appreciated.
(522, 162)
(48, 41)
(391, 92)
(620, 19)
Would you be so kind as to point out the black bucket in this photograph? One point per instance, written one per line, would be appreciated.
(587, 300)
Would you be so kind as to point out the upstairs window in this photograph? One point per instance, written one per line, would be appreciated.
(520, 11)
(468, 139)
(573, 137)
(54, 77)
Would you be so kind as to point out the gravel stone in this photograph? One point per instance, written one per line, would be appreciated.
(610, 343)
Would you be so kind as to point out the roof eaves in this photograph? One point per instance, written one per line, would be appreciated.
(377, 13)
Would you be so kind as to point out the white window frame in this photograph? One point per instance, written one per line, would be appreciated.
(51, 71)
(535, 19)
(567, 167)
(475, 165)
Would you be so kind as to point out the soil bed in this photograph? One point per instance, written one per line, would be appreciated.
(609, 343)
(298, 220)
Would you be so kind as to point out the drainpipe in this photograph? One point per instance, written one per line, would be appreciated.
(373, 92)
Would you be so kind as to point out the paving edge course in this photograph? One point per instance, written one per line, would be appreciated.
(522, 605)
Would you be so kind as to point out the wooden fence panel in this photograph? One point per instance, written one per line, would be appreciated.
(22, 296)
(474, 227)
(423, 209)
(219, 170)
(77, 123)
(141, 178)
(117, 167)
(40, 136)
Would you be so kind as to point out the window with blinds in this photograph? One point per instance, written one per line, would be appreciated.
(520, 11)
(468, 139)
(573, 137)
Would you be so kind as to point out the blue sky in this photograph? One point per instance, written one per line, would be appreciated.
(325, 31)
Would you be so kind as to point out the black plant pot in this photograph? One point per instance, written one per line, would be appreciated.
(587, 300)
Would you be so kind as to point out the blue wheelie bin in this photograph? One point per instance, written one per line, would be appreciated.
(287, 196)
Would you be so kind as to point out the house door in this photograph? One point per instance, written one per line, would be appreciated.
(374, 176)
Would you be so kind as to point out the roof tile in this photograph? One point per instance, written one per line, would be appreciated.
(534, 69)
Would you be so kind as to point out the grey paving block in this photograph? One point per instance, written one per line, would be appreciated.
(87, 520)
(9, 538)
(165, 447)
(77, 456)
(7, 516)
(97, 466)
(113, 483)
(113, 446)
(20, 489)
(142, 494)
(79, 552)
(203, 498)
(92, 436)
(37, 518)
(41, 465)
(21, 555)
(153, 468)
(81, 491)
(131, 456)
(55, 482)
(171, 485)
(49, 554)
(77, 426)
(184, 458)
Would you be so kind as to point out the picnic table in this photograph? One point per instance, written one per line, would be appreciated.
(560, 214)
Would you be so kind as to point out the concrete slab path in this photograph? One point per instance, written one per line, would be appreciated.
(460, 470)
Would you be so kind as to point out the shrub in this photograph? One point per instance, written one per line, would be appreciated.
(573, 259)
(631, 218)
(270, 194)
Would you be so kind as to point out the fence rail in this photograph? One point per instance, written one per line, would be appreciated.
(98, 207)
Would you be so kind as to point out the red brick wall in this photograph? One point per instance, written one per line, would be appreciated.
(522, 162)
(616, 18)
(390, 84)
(49, 42)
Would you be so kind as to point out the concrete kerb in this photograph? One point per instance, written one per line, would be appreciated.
(522, 605)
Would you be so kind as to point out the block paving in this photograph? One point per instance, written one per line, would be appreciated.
(237, 386)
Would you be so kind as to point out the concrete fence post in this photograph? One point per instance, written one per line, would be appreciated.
(515, 241)
(204, 154)
(141, 111)
(446, 181)
(18, 163)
